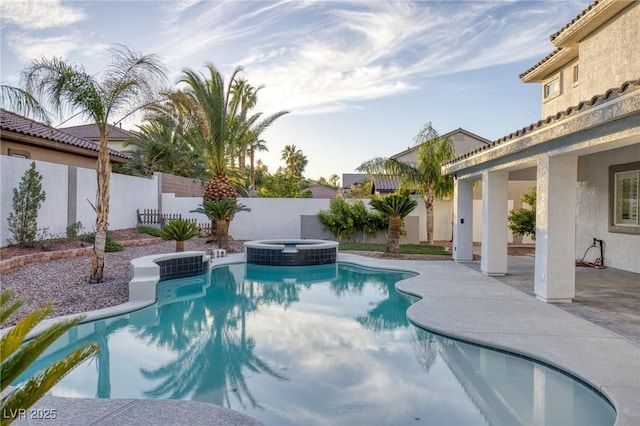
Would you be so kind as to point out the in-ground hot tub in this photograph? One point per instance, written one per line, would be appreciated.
(291, 252)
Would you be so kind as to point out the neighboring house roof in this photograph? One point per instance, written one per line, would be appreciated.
(90, 131)
(63, 141)
(321, 191)
(595, 101)
(385, 183)
(349, 179)
(446, 135)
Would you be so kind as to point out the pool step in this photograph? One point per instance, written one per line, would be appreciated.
(217, 253)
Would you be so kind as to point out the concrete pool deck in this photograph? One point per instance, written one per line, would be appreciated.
(457, 301)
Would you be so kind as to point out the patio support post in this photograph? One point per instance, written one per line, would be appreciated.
(555, 274)
(495, 187)
(463, 220)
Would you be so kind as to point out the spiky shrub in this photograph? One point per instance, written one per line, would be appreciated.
(179, 230)
(396, 206)
(221, 212)
(17, 355)
(27, 200)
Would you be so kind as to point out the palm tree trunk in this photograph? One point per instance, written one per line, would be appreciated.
(428, 203)
(103, 174)
(222, 228)
(252, 168)
(393, 236)
(179, 246)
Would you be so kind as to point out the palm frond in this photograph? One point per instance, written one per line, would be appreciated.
(22, 102)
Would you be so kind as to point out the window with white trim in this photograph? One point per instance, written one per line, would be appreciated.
(551, 89)
(627, 188)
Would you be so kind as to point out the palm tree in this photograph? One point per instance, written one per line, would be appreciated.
(221, 212)
(295, 160)
(179, 230)
(160, 145)
(425, 177)
(129, 81)
(22, 102)
(254, 146)
(16, 356)
(397, 206)
(216, 125)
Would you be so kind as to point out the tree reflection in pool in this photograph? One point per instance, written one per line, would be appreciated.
(326, 344)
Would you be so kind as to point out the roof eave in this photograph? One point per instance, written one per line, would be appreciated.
(549, 65)
(18, 137)
(588, 21)
(613, 105)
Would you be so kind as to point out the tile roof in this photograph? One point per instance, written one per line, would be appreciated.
(10, 122)
(385, 183)
(609, 95)
(542, 61)
(576, 19)
(321, 191)
(90, 131)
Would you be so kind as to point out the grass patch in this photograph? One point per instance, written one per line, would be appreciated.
(404, 248)
(150, 230)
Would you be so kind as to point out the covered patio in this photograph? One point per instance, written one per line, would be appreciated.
(607, 297)
(575, 157)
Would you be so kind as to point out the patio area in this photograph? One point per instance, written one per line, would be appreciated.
(607, 297)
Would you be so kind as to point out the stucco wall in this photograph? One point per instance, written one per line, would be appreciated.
(611, 56)
(43, 154)
(53, 213)
(128, 193)
(621, 250)
(607, 58)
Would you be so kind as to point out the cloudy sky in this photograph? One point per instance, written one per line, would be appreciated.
(359, 78)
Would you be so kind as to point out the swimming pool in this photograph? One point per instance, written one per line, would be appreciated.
(326, 344)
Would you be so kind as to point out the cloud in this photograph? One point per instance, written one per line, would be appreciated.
(38, 14)
(29, 48)
(318, 57)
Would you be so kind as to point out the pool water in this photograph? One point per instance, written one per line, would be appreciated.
(311, 345)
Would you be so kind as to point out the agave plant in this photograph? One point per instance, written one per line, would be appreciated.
(179, 230)
(221, 212)
(17, 356)
(397, 206)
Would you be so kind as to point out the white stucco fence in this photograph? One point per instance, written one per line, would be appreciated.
(69, 191)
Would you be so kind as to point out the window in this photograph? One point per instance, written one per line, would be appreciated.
(20, 154)
(552, 88)
(576, 74)
(626, 196)
(624, 190)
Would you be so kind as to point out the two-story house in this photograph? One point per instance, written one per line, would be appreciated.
(463, 141)
(585, 155)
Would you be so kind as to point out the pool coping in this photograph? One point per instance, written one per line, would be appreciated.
(461, 303)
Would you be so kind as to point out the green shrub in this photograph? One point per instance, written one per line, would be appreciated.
(345, 220)
(74, 230)
(110, 246)
(149, 230)
(27, 200)
(522, 221)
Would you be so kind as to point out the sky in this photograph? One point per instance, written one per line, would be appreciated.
(359, 78)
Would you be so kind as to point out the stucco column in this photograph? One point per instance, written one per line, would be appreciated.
(555, 275)
(495, 186)
(462, 220)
